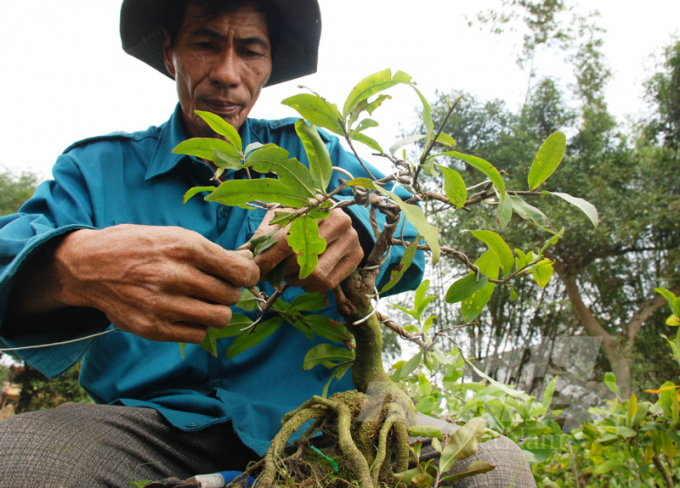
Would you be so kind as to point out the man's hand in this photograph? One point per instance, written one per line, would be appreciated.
(160, 283)
(342, 255)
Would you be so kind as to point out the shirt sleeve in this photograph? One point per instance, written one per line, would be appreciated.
(361, 219)
(58, 207)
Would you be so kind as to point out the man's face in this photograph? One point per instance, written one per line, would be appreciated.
(220, 65)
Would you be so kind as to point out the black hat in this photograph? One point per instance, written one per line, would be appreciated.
(296, 52)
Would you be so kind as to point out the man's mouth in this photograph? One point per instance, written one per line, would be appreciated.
(222, 108)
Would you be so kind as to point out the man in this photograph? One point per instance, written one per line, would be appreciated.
(108, 243)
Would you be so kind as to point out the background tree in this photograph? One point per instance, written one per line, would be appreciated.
(606, 275)
(38, 391)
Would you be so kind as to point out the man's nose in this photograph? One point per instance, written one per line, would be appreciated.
(226, 71)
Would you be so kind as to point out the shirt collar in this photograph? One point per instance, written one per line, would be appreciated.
(172, 133)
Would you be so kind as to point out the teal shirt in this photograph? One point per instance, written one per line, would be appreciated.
(135, 179)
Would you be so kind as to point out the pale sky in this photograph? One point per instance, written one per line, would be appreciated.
(65, 77)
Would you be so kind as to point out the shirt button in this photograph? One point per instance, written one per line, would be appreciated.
(192, 425)
(224, 212)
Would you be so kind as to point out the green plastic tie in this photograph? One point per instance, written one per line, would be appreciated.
(333, 463)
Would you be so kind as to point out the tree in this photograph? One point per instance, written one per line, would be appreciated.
(607, 275)
(38, 391)
(303, 196)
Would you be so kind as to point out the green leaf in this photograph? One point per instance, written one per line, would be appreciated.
(324, 353)
(320, 164)
(302, 325)
(504, 388)
(182, 347)
(587, 207)
(399, 270)
(425, 431)
(328, 329)
(454, 186)
(405, 142)
(543, 272)
(499, 248)
(364, 105)
(408, 368)
(275, 276)
(225, 161)
(610, 381)
(264, 245)
(513, 294)
(549, 392)
(282, 218)
(484, 166)
(291, 172)
(252, 146)
(424, 384)
(248, 301)
(465, 288)
(240, 192)
(548, 159)
(446, 140)
(475, 468)
(318, 111)
(413, 214)
(521, 260)
(196, 190)
(420, 295)
(504, 210)
(203, 147)
(528, 212)
(473, 306)
(426, 114)
(364, 139)
(675, 305)
(366, 124)
(426, 405)
(236, 325)
(428, 323)
(222, 127)
(252, 338)
(303, 238)
(209, 342)
(462, 444)
(608, 465)
(372, 85)
(308, 302)
(668, 295)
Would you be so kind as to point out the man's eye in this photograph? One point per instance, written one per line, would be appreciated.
(205, 45)
(251, 53)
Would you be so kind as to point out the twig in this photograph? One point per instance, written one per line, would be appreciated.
(666, 475)
(423, 158)
(391, 324)
(573, 467)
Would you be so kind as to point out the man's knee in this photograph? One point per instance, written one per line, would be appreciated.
(512, 467)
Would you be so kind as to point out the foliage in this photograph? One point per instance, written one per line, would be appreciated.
(606, 274)
(39, 392)
(15, 190)
(304, 196)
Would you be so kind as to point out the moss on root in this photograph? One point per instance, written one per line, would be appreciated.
(369, 433)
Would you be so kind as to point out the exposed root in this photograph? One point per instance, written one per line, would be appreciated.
(368, 432)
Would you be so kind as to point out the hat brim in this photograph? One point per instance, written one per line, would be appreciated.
(297, 40)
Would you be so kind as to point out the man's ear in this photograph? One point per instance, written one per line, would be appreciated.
(168, 54)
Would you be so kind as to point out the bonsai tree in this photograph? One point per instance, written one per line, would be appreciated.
(372, 429)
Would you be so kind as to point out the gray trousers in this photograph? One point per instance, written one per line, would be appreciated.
(91, 446)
